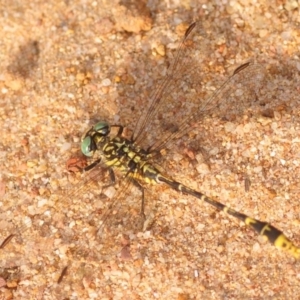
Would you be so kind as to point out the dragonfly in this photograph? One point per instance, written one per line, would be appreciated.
(134, 158)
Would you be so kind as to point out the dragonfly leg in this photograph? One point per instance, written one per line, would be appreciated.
(121, 128)
(112, 178)
(91, 166)
(142, 189)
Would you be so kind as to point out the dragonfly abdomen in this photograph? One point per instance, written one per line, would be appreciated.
(269, 232)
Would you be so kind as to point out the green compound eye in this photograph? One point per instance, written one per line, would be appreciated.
(102, 128)
(86, 146)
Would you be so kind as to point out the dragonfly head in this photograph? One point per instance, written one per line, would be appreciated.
(93, 136)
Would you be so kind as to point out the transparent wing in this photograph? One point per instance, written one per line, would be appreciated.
(179, 101)
(236, 94)
(77, 232)
(87, 221)
(113, 215)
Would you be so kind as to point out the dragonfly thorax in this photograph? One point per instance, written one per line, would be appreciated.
(118, 152)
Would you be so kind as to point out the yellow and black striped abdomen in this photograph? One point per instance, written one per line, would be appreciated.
(271, 233)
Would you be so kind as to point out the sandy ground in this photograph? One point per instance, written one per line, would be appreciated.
(65, 64)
